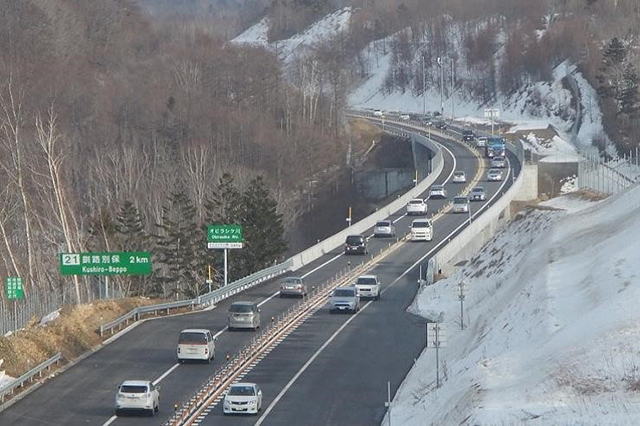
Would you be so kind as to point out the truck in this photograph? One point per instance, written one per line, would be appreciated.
(495, 147)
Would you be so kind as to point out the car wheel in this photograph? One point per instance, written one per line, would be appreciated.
(378, 296)
(158, 407)
(118, 413)
(151, 412)
(208, 360)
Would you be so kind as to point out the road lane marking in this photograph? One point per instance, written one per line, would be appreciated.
(321, 266)
(165, 374)
(334, 335)
(111, 420)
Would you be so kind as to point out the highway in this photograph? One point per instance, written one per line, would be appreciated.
(345, 383)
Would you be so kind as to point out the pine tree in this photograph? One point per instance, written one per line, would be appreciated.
(611, 72)
(179, 247)
(628, 96)
(132, 237)
(262, 227)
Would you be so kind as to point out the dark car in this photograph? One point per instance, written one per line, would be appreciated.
(468, 136)
(355, 244)
(440, 124)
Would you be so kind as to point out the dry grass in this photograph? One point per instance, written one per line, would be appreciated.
(72, 333)
(362, 133)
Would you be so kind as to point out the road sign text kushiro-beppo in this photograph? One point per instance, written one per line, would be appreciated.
(106, 263)
(224, 236)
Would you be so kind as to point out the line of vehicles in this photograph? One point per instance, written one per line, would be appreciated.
(198, 344)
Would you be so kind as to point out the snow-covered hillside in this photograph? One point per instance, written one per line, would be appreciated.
(553, 324)
(320, 31)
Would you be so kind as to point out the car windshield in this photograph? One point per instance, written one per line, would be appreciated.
(467, 132)
(242, 391)
(191, 337)
(354, 240)
(494, 172)
(366, 280)
(460, 200)
(459, 174)
(292, 280)
(436, 188)
(133, 389)
(240, 308)
(416, 202)
(382, 224)
(420, 225)
(344, 293)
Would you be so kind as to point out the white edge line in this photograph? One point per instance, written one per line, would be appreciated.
(339, 330)
(166, 373)
(321, 266)
(111, 420)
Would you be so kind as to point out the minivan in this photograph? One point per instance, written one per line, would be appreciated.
(196, 344)
(244, 315)
(421, 230)
(355, 244)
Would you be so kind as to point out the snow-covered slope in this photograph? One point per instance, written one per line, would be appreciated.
(4, 379)
(318, 32)
(552, 337)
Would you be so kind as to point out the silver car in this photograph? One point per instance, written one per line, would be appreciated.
(481, 141)
(494, 175)
(459, 177)
(478, 194)
(293, 286)
(244, 315)
(499, 162)
(384, 228)
(344, 299)
(461, 205)
(437, 191)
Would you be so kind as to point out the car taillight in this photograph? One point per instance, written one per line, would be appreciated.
(206, 351)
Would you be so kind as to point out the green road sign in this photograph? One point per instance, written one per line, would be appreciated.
(224, 236)
(106, 263)
(13, 288)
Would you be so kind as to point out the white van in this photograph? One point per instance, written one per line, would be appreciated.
(196, 344)
(421, 230)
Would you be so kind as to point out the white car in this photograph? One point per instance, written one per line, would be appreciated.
(196, 344)
(437, 191)
(368, 286)
(384, 228)
(498, 162)
(242, 398)
(461, 205)
(459, 177)
(405, 117)
(417, 206)
(137, 395)
(481, 141)
(421, 230)
(378, 113)
(478, 194)
(494, 175)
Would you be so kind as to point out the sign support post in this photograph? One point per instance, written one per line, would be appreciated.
(224, 237)
(226, 270)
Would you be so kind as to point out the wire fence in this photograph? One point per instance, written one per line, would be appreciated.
(608, 177)
(40, 302)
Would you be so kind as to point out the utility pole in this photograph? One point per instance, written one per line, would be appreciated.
(452, 89)
(436, 334)
(462, 287)
(388, 403)
(441, 87)
(424, 86)
(349, 217)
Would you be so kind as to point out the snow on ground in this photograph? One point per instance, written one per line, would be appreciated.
(554, 325)
(318, 32)
(569, 184)
(4, 379)
(49, 317)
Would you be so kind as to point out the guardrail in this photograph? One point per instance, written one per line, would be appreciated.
(202, 300)
(28, 376)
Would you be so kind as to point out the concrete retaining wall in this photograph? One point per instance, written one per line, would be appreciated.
(312, 253)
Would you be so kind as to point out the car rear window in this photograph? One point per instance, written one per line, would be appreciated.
(420, 225)
(478, 190)
(366, 280)
(460, 200)
(344, 293)
(436, 188)
(240, 308)
(292, 280)
(354, 240)
(190, 337)
(133, 389)
(416, 202)
(383, 224)
(241, 391)
(459, 173)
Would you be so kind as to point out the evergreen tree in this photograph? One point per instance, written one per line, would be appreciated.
(262, 226)
(132, 237)
(628, 96)
(611, 72)
(179, 247)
